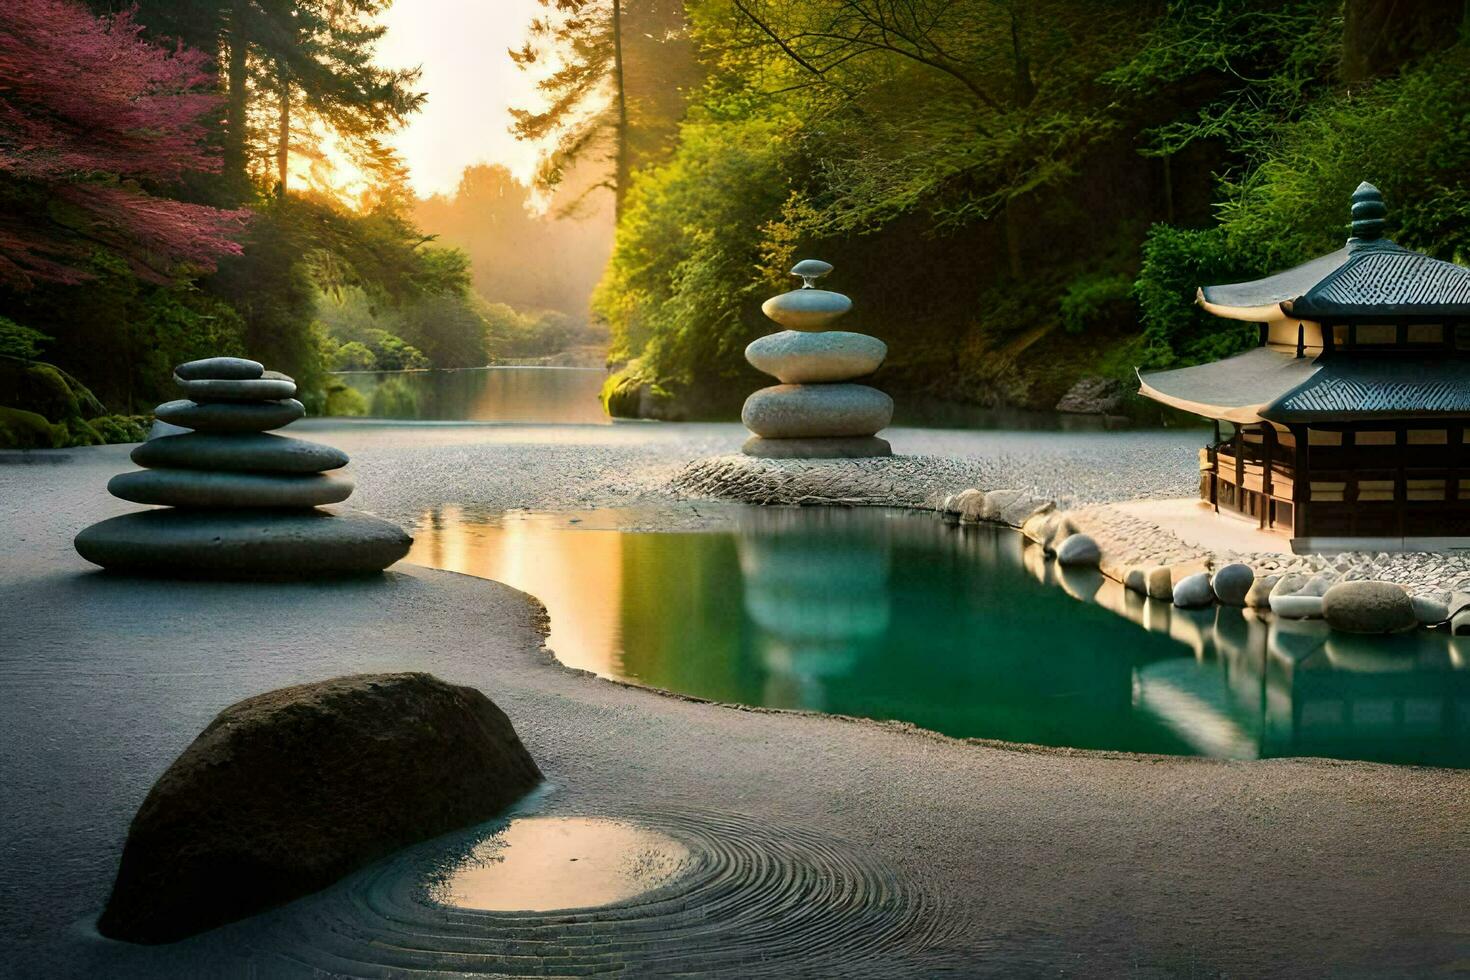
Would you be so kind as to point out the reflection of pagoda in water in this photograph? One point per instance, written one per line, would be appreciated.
(818, 599)
(1295, 688)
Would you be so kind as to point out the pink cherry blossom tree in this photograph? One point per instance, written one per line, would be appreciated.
(96, 125)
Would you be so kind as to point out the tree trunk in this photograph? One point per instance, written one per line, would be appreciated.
(234, 149)
(620, 134)
(283, 133)
(1013, 239)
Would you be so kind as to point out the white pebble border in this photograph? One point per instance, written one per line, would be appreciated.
(1125, 541)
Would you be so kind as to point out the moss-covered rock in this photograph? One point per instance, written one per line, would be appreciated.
(20, 429)
(35, 386)
(628, 395)
(121, 428)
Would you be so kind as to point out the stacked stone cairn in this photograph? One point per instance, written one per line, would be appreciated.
(236, 500)
(816, 412)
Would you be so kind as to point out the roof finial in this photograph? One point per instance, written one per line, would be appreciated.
(1369, 212)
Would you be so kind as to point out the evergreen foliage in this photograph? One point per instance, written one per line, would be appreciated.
(1020, 194)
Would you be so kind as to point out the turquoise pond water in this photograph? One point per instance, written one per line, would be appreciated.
(963, 630)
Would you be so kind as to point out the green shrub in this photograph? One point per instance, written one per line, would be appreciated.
(20, 341)
(1176, 262)
(121, 428)
(79, 432)
(1098, 302)
(354, 356)
(395, 354)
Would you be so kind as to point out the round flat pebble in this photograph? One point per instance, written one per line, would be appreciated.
(257, 389)
(222, 368)
(806, 309)
(804, 357)
(1368, 607)
(255, 452)
(1232, 583)
(803, 411)
(205, 488)
(230, 416)
(244, 543)
(1193, 591)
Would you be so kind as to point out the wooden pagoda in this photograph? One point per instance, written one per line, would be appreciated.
(1349, 426)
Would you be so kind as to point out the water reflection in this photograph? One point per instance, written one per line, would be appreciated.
(547, 863)
(818, 602)
(490, 394)
(966, 631)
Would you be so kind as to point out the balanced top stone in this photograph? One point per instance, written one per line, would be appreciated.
(254, 389)
(253, 452)
(223, 368)
(255, 416)
(809, 269)
(806, 308)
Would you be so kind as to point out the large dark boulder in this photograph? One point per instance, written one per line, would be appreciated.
(287, 791)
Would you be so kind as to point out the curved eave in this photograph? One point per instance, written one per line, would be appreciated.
(1236, 389)
(1252, 314)
(1240, 414)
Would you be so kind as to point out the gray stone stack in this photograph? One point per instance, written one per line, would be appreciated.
(815, 412)
(237, 501)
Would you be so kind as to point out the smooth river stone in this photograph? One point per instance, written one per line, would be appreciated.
(803, 411)
(244, 543)
(223, 368)
(799, 357)
(851, 447)
(257, 389)
(806, 309)
(206, 488)
(811, 268)
(230, 416)
(247, 451)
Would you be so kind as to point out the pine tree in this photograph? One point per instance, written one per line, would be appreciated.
(587, 102)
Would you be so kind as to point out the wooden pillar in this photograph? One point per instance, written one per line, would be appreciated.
(1214, 457)
(1268, 442)
(1301, 483)
(1400, 479)
(1239, 467)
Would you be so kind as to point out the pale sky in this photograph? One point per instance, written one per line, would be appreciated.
(461, 44)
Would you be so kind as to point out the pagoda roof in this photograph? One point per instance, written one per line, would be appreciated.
(1381, 279)
(1361, 388)
(1263, 297)
(1271, 385)
(1370, 279)
(1236, 389)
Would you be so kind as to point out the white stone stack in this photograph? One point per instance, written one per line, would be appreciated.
(816, 411)
(235, 500)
